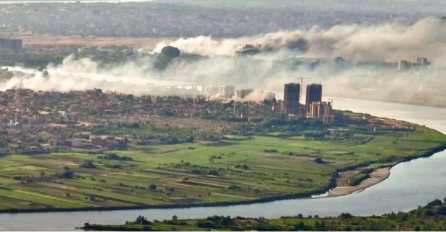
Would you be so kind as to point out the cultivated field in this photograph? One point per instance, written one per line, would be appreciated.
(237, 169)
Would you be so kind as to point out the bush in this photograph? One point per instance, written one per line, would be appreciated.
(206, 224)
(113, 156)
(87, 164)
(434, 203)
(113, 166)
(318, 160)
(235, 188)
(66, 175)
(214, 173)
(197, 171)
(345, 216)
(243, 166)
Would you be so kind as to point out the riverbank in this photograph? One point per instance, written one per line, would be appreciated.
(343, 222)
(344, 188)
(377, 176)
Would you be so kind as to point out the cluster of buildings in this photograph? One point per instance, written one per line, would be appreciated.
(229, 91)
(54, 119)
(422, 62)
(11, 44)
(314, 106)
(92, 142)
(340, 63)
(42, 119)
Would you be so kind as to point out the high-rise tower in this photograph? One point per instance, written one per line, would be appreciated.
(314, 94)
(291, 98)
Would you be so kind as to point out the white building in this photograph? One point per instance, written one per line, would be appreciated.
(227, 91)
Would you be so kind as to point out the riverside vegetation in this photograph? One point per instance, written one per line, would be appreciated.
(272, 158)
(431, 217)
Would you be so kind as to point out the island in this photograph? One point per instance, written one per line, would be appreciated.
(95, 150)
(428, 218)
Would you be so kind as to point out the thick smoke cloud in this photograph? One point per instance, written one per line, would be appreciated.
(387, 42)
(270, 71)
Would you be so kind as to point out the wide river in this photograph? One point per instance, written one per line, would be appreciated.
(410, 184)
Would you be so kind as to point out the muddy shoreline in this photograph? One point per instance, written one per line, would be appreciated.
(376, 177)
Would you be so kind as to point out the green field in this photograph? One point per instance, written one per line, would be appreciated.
(238, 169)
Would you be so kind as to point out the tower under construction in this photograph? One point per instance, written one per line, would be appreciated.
(314, 94)
(291, 98)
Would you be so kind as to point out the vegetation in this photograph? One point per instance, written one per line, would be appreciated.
(267, 165)
(151, 134)
(431, 217)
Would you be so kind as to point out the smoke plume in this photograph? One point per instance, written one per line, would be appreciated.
(388, 42)
(270, 70)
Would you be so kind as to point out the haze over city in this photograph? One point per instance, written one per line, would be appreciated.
(225, 115)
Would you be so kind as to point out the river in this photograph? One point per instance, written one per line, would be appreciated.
(410, 184)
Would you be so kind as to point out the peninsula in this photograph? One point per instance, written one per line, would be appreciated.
(94, 150)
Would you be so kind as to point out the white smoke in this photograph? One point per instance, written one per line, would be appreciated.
(387, 42)
(269, 71)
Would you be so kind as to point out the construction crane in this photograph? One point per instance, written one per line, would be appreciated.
(300, 92)
(331, 100)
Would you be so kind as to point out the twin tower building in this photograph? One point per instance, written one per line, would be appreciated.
(314, 106)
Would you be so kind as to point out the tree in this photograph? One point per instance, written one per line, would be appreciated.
(300, 226)
(318, 160)
(214, 173)
(174, 217)
(152, 187)
(141, 220)
(42, 176)
(434, 203)
(87, 164)
(67, 174)
(345, 216)
(427, 213)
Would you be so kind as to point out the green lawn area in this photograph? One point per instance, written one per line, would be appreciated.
(237, 169)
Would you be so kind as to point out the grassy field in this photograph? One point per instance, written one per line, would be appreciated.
(239, 169)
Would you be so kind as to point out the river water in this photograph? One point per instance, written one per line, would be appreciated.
(409, 185)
